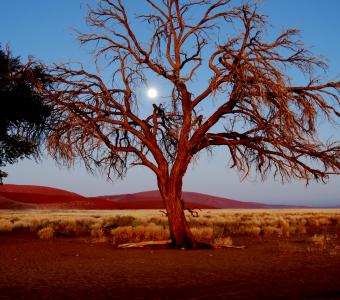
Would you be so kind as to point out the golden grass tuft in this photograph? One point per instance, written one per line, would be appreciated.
(222, 242)
(203, 234)
(6, 226)
(150, 232)
(46, 233)
(318, 239)
(97, 232)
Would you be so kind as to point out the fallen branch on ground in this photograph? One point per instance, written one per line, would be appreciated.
(231, 246)
(167, 244)
(145, 244)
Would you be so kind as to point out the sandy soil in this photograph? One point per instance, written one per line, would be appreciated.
(72, 269)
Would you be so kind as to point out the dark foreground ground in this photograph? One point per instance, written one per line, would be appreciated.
(72, 269)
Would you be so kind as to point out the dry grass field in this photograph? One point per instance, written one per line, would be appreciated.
(213, 226)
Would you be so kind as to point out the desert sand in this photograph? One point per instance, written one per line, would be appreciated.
(71, 268)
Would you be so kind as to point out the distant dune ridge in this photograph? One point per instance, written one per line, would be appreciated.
(14, 196)
(6, 203)
(191, 199)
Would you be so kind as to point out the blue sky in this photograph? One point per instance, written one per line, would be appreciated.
(44, 29)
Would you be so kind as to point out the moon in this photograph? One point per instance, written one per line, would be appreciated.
(152, 93)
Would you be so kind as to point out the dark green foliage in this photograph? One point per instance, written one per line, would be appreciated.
(24, 116)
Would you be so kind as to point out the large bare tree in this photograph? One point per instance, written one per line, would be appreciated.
(249, 105)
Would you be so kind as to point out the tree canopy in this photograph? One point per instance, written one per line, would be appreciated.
(23, 115)
(250, 105)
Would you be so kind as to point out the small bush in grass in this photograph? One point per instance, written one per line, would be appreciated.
(77, 227)
(324, 221)
(70, 228)
(254, 230)
(45, 223)
(6, 226)
(223, 242)
(122, 234)
(84, 226)
(141, 233)
(21, 225)
(271, 231)
(156, 232)
(318, 239)
(119, 221)
(161, 221)
(231, 227)
(281, 223)
(300, 228)
(313, 221)
(46, 233)
(97, 232)
(204, 234)
(218, 230)
(15, 219)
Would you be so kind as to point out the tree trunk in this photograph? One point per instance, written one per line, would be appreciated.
(180, 232)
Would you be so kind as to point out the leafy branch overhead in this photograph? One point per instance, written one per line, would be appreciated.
(24, 116)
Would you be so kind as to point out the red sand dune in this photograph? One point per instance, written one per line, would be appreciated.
(6, 203)
(136, 203)
(29, 196)
(38, 194)
(191, 200)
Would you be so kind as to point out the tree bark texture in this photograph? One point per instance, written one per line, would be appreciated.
(180, 233)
